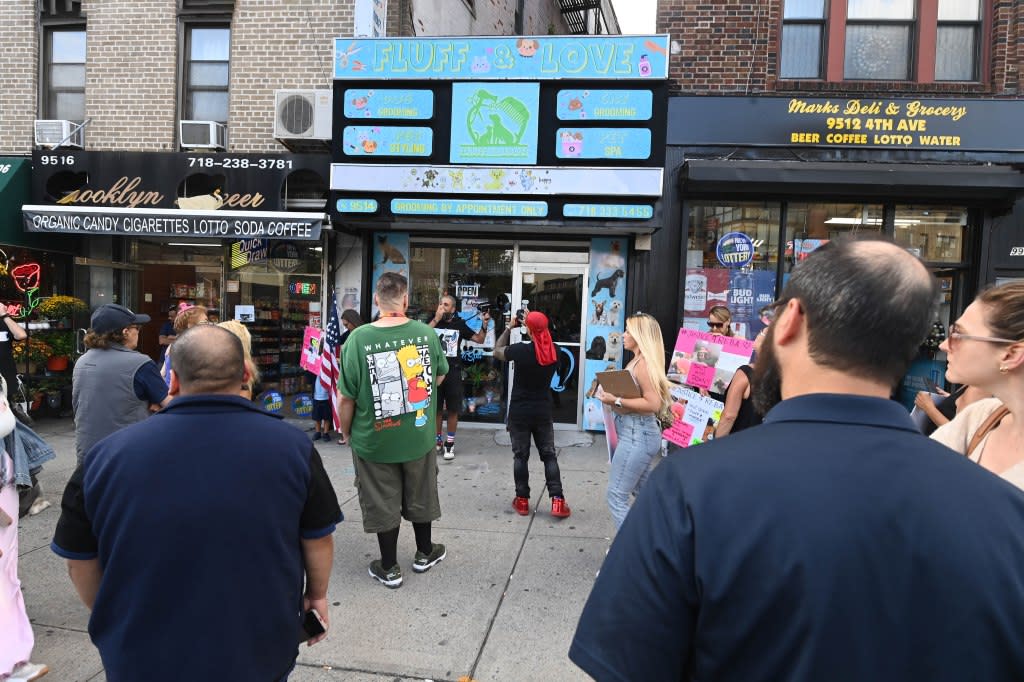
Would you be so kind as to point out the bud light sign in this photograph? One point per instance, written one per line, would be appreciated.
(734, 250)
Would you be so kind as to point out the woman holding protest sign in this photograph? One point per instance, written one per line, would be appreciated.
(739, 412)
(636, 423)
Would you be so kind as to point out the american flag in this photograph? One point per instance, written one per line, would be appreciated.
(329, 368)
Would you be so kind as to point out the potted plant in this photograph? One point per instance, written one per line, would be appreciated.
(63, 345)
(32, 351)
(61, 308)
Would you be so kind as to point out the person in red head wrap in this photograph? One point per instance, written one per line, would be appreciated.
(529, 410)
(543, 347)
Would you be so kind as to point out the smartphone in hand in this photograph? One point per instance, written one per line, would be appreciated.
(312, 626)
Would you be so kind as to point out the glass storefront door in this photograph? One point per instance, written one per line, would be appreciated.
(557, 291)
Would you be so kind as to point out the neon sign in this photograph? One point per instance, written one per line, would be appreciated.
(26, 279)
(303, 288)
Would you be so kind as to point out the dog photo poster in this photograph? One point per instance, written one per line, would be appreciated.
(707, 361)
(605, 296)
(390, 254)
(696, 417)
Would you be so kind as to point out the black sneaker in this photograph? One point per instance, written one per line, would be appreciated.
(424, 562)
(316, 436)
(391, 577)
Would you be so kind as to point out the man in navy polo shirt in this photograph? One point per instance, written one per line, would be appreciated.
(833, 542)
(198, 561)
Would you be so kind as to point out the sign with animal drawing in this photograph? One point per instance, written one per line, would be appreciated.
(387, 141)
(604, 105)
(483, 117)
(606, 320)
(504, 58)
(494, 123)
(390, 254)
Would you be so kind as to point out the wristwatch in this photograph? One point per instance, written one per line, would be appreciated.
(618, 402)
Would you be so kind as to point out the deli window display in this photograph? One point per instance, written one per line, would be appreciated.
(277, 294)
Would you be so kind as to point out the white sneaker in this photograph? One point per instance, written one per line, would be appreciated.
(28, 671)
(449, 451)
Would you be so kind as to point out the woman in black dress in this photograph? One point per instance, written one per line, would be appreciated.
(739, 412)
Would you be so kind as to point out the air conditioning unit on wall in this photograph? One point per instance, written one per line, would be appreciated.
(302, 114)
(53, 133)
(202, 135)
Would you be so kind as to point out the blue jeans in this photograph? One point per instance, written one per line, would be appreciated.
(639, 443)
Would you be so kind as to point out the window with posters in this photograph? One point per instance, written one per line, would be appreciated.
(731, 260)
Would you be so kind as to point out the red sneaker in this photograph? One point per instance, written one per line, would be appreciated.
(521, 505)
(559, 508)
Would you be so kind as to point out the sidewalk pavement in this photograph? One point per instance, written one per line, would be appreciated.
(502, 607)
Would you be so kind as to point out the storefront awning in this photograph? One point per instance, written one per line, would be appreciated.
(1000, 184)
(15, 190)
(148, 222)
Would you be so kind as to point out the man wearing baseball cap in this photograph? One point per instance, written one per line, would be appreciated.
(113, 384)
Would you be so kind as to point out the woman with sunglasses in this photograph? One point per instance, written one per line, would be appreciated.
(635, 422)
(720, 320)
(985, 349)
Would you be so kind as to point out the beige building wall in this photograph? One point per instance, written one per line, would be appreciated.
(131, 93)
(278, 45)
(19, 65)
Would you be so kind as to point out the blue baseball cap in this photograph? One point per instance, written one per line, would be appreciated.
(111, 317)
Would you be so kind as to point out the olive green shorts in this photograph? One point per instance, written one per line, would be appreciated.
(390, 492)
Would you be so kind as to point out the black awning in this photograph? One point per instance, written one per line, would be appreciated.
(911, 181)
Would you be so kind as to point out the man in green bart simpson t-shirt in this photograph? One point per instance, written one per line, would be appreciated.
(390, 371)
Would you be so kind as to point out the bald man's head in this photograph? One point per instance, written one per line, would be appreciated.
(208, 359)
(869, 305)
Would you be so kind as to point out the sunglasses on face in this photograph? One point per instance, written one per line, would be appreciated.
(956, 336)
(716, 325)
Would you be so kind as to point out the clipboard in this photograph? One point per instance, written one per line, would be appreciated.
(619, 382)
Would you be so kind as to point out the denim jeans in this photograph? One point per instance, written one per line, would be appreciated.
(543, 432)
(639, 444)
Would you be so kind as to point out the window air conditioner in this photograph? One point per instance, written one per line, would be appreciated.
(201, 135)
(302, 114)
(50, 134)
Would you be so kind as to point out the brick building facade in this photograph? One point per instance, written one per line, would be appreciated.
(134, 208)
(795, 122)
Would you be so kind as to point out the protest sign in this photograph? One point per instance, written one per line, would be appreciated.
(696, 417)
(707, 361)
(309, 360)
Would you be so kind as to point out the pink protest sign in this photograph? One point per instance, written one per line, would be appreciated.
(696, 417)
(707, 361)
(309, 360)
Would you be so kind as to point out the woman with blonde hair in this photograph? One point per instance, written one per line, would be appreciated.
(188, 316)
(985, 350)
(242, 332)
(636, 423)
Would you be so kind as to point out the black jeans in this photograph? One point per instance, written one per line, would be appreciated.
(543, 433)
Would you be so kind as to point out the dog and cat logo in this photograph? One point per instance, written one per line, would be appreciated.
(401, 383)
(449, 339)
